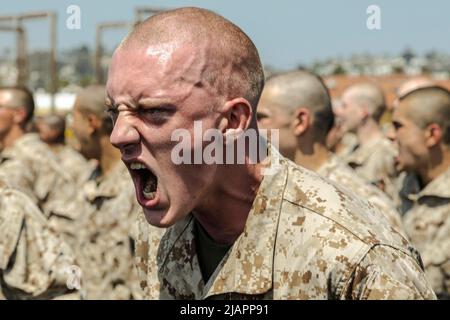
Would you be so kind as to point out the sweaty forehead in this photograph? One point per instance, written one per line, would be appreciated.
(156, 69)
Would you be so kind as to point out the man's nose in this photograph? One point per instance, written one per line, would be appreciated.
(390, 133)
(124, 136)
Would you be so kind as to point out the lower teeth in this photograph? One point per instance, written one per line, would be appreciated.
(148, 193)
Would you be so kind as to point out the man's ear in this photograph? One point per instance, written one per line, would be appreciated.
(433, 135)
(238, 115)
(20, 115)
(365, 112)
(302, 121)
(94, 123)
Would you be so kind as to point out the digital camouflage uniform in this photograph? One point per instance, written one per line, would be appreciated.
(436, 258)
(348, 143)
(73, 163)
(34, 262)
(374, 162)
(303, 239)
(337, 171)
(105, 236)
(30, 166)
(427, 224)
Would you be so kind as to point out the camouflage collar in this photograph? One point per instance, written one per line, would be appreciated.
(439, 187)
(22, 143)
(107, 187)
(248, 266)
(31, 144)
(332, 164)
(360, 155)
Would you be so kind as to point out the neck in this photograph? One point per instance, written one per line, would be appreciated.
(56, 147)
(224, 212)
(109, 155)
(368, 131)
(436, 166)
(311, 157)
(13, 135)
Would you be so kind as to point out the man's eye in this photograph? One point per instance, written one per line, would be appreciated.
(260, 116)
(396, 125)
(155, 114)
(112, 113)
(154, 111)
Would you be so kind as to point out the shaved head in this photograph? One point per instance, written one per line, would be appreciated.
(293, 90)
(54, 122)
(91, 100)
(429, 105)
(229, 60)
(18, 97)
(413, 84)
(368, 95)
(51, 128)
(175, 70)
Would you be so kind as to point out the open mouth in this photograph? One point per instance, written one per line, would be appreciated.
(146, 183)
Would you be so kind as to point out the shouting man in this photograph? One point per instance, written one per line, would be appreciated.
(234, 230)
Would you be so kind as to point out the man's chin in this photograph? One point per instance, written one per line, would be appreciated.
(159, 217)
(154, 217)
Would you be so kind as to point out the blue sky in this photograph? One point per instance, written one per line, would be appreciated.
(287, 33)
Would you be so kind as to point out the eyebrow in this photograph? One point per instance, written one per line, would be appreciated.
(156, 103)
(262, 113)
(397, 123)
(144, 102)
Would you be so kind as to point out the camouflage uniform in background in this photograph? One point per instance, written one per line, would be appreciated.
(427, 224)
(348, 143)
(34, 262)
(374, 162)
(303, 239)
(74, 164)
(105, 236)
(30, 166)
(337, 171)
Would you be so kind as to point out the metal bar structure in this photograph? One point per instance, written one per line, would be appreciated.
(53, 62)
(18, 19)
(101, 28)
(140, 12)
(21, 52)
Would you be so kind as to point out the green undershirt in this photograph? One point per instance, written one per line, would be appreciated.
(209, 252)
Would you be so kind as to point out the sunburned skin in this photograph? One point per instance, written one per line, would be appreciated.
(167, 78)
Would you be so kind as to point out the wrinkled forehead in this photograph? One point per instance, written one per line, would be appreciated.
(152, 69)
